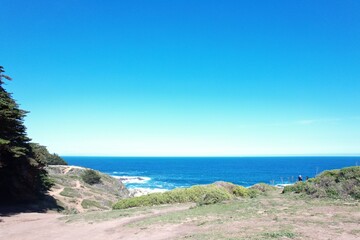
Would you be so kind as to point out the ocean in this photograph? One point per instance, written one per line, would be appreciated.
(166, 173)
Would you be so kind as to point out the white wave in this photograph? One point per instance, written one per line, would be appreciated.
(136, 192)
(132, 179)
(281, 185)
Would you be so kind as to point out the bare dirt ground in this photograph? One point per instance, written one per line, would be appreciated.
(275, 216)
(29, 226)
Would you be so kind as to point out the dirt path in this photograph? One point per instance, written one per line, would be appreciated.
(78, 184)
(68, 168)
(274, 216)
(38, 226)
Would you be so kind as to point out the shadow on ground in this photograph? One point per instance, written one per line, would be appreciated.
(42, 205)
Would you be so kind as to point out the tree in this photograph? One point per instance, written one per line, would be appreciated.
(20, 173)
(42, 155)
(13, 139)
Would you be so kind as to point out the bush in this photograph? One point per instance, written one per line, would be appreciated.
(55, 159)
(213, 196)
(90, 177)
(46, 181)
(263, 187)
(241, 191)
(87, 203)
(343, 183)
(297, 188)
(253, 193)
(355, 193)
(202, 195)
(69, 192)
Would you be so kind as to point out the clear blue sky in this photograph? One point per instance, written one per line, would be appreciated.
(181, 77)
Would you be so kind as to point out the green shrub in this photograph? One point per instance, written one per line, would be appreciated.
(201, 195)
(46, 181)
(69, 192)
(355, 192)
(343, 183)
(213, 196)
(90, 177)
(297, 187)
(332, 192)
(252, 193)
(87, 203)
(349, 173)
(241, 191)
(263, 187)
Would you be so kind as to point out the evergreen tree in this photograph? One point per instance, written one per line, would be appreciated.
(42, 155)
(20, 173)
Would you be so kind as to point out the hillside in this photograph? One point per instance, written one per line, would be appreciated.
(73, 194)
(270, 216)
(337, 184)
(193, 213)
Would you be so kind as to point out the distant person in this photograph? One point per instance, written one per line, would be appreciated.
(307, 178)
(300, 178)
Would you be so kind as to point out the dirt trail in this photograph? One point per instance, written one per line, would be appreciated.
(274, 216)
(68, 168)
(78, 184)
(37, 226)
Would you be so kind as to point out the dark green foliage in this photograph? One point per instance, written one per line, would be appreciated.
(13, 140)
(20, 178)
(90, 177)
(55, 159)
(343, 183)
(46, 181)
(42, 155)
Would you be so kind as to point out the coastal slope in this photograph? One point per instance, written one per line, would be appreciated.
(271, 216)
(75, 195)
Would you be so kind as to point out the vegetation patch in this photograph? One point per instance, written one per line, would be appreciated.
(279, 234)
(263, 187)
(240, 191)
(87, 203)
(46, 181)
(338, 184)
(70, 192)
(22, 177)
(91, 177)
(201, 195)
(42, 155)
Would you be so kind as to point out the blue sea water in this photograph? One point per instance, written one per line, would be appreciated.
(165, 173)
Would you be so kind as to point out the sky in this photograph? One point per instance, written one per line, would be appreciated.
(186, 78)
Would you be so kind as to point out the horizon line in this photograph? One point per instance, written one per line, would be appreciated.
(217, 156)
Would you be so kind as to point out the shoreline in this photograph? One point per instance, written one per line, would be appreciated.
(136, 191)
